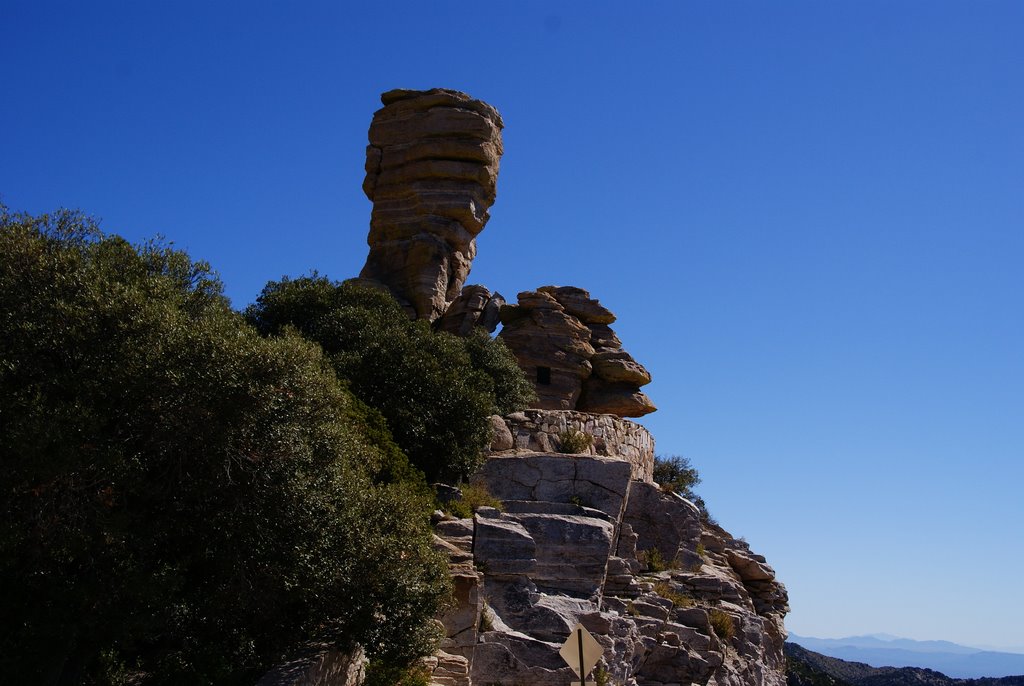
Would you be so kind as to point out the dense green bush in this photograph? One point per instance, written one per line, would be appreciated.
(436, 390)
(184, 500)
(677, 475)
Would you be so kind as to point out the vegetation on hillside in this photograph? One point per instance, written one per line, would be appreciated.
(185, 500)
(435, 390)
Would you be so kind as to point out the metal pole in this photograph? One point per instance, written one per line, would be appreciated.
(579, 637)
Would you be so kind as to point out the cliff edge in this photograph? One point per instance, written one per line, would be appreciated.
(590, 538)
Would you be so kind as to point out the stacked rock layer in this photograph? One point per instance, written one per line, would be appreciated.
(431, 172)
(562, 340)
(670, 597)
(589, 538)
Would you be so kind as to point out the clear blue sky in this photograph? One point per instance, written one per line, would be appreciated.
(809, 217)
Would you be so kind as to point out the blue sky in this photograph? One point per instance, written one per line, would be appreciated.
(807, 215)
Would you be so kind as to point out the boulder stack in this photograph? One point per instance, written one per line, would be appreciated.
(561, 338)
(431, 170)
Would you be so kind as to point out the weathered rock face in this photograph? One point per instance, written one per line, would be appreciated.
(561, 338)
(576, 542)
(431, 171)
(475, 306)
(539, 431)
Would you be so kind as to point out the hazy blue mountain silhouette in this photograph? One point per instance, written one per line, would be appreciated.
(943, 656)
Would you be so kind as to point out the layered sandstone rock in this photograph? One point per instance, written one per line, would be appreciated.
(475, 307)
(561, 338)
(431, 170)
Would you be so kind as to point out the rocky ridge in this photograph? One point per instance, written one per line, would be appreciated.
(579, 539)
(562, 339)
(808, 668)
(672, 598)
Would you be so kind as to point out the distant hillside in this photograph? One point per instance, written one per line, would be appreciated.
(808, 668)
(951, 659)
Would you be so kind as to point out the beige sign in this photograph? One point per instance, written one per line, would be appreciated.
(583, 648)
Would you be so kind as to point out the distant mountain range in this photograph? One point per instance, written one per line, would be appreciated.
(951, 659)
(808, 668)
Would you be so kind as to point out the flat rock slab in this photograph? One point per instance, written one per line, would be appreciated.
(587, 480)
(572, 551)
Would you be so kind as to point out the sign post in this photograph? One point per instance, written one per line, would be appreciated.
(581, 651)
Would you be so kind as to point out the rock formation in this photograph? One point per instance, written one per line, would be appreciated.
(578, 540)
(561, 338)
(475, 306)
(431, 170)
(672, 598)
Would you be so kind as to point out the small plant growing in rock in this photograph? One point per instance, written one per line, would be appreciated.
(602, 677)
(721, 622)
(576, 500)
(573, 441)
(631, 609)
(655, 561)
(474, 496)
(679, 599)
(702, 551)
(486, 621)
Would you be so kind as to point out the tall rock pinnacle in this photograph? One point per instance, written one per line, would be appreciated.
(431, 170)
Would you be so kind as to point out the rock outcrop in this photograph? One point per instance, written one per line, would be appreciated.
(671, 598)
(561, 338)
(475, 306)
(431, 172)
(587, 538)
(541, 431)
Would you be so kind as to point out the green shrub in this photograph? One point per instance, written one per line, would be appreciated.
(435, 390)
(185, 501)
(722, 623)
(474, 496)
(572, 441)
(383, 674)
(679, 599)
(675, 474)
(655, 561)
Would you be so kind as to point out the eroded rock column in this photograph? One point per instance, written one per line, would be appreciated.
(431, 170)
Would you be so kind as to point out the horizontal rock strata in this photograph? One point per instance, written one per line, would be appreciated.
(431, 173)
(539, 431)
(562, 340)
(576, 541)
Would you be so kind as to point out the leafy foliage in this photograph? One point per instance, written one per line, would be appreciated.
(436, 390)
(676, 474)
(474, 496)
(183, 499)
